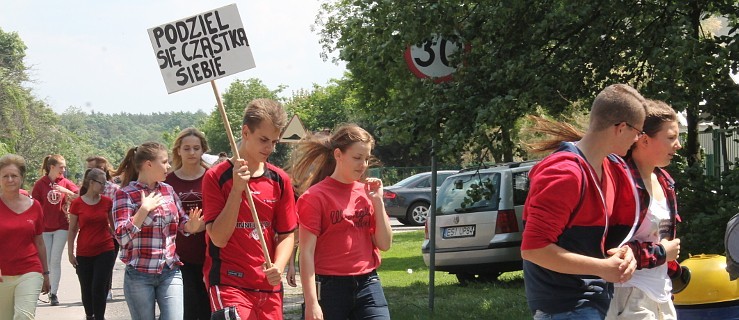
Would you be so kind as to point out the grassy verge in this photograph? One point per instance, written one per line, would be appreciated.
(407, 293)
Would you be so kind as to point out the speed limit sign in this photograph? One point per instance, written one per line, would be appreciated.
(431, 59)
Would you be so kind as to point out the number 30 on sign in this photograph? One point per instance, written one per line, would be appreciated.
(431, 59)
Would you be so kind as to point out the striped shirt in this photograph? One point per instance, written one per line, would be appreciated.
(150, 247)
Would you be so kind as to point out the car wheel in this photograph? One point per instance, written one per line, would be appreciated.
(403, 221)
(489, 277)
(417, 214)
(465, 278)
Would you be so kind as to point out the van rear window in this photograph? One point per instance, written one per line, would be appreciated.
(469, 193)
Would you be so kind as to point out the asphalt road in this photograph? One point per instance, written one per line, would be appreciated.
(70, 305)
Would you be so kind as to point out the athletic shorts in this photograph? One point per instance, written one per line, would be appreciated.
(250, 305)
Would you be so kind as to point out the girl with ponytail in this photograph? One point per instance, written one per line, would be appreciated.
(148, 215)
(52, 191)
(341, 214)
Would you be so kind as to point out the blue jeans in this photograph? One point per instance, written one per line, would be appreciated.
(352, 297)
(581, 313)
(143, 290)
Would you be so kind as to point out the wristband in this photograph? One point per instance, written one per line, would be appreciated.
(46, 273)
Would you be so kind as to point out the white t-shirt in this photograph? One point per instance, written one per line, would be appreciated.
(655, 226)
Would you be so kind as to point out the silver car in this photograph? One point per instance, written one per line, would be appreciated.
(478, 222)
(410, 198)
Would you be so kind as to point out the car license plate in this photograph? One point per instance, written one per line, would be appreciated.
(459, 232)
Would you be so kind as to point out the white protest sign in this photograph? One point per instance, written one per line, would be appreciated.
(201, 48)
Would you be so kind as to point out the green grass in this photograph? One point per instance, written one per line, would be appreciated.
(408, 294)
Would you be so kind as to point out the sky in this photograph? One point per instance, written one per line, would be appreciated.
(97, 56)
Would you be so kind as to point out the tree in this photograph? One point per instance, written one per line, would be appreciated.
(524, 55)
(235, 99)
(324, 107)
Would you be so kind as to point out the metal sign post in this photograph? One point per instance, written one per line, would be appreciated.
(430, 59)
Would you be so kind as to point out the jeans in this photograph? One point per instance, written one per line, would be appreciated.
(54, 242)
(352, 297)
(143, 290)
(581, 313)
(94, 273)
(197, 302)
(18, 295)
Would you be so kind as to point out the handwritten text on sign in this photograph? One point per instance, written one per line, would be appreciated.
(201, 48)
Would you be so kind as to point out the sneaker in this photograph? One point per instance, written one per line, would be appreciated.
(110, 295)
(53, 300)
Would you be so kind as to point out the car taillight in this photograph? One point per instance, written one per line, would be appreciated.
(426, 229)
(389, 195)
(506, 222)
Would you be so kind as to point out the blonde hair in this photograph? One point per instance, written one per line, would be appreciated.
(313, 160)
(16, 160)
(176, 157)
(556, 131)
(50, 160)
(259, 110)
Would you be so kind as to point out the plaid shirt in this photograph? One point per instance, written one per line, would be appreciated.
(148, 248)
(648, 254)
(110, 189)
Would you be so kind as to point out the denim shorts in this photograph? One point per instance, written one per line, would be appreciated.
(352, 297)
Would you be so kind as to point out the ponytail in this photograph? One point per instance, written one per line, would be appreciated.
(126, 170)
(135, 157)
(50, 160)
(313, 159)
(558, 132)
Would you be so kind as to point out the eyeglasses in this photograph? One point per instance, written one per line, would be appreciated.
(639, 132)
(102, 183)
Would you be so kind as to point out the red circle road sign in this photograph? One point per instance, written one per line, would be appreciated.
(431, 59)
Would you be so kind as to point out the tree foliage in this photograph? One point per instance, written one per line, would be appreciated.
(235, 99)
(524, 55)
(324, 107)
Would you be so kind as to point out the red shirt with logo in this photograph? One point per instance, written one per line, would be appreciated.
(18, 253)
(52, 202)
(239, 263)
(343, 218)
(94, 237)
(190, 249)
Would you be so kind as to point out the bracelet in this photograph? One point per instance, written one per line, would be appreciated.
(46, 273)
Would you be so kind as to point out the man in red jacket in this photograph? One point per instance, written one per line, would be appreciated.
(580, 210)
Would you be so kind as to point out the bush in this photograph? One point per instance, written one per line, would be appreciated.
(705, 204)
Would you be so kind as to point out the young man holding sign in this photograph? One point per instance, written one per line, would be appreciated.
(239, 281)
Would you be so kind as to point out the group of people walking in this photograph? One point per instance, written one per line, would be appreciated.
(599, 220)
(186, 235)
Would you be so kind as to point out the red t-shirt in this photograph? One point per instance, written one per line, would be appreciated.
(239, 263)
(191, 249)
(343, 218)
(52, 202)
(94, 237)
(18, 253)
